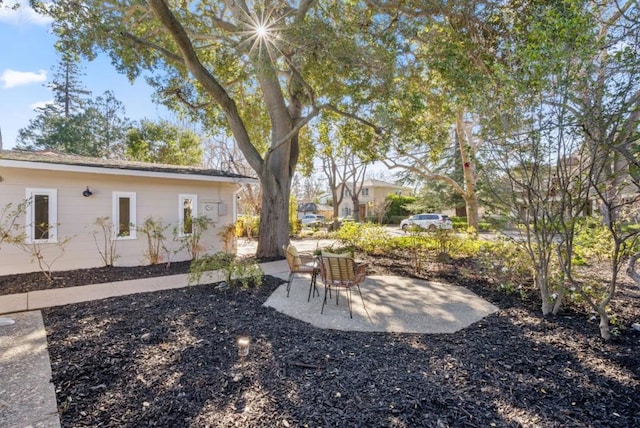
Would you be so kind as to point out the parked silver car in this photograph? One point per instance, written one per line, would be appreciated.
(312, 220)
(429, 221)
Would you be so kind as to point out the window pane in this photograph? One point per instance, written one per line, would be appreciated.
(124, 216)
(41, 216)
(187, 212)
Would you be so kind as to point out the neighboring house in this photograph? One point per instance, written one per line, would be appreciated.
(325, 199)
(313, 208)
(66, 195)
(372, 196)
(306, 208)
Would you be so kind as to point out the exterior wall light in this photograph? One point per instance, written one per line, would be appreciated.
(87, 193)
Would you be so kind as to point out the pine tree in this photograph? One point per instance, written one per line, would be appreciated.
(75, 123)
(69, 94)
(58, 125)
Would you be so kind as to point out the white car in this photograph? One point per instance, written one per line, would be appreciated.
(429, 221)
(312, 220)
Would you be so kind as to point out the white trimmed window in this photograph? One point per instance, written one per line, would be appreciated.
(42, 215)
(124, 215)
(187, 210)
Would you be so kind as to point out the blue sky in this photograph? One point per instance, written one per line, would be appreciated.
(27, 63)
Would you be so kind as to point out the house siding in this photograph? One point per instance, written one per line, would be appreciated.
(76, 214)
(377, 193)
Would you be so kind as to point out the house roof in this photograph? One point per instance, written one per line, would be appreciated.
(51, 160)
(312, 207)
(307, 207)
(380, 183)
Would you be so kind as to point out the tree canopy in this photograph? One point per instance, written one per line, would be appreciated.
(74, 122)
(262, 70)
(163, 142)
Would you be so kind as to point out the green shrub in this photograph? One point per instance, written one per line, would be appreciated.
(397, 206)
(349, 234)
(295, 225)
(459, 223)
(154, 229)
(369, 238)
(373, 239)
(236, 271)
(466, 244)
(494, 222)
(507, 265)
(247, 226)
(191, 242)
(395, 219)
(417, 243)
(592, 241)
(484, 226)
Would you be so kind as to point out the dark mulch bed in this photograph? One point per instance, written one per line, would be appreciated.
(170, 358)
(22, 283)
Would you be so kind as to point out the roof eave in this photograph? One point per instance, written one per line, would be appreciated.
(104, 170)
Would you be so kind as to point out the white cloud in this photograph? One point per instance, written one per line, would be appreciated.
(41, 104)
(11, 78)
(18, 12)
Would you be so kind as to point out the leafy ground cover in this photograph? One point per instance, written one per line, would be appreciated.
(171, 359)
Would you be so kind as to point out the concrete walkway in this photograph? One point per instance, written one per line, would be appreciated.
(392, 304)
(27, 396)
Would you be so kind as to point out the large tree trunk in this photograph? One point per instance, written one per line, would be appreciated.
(274, 217)
(471, 205)
(356, 208)
(467, 156)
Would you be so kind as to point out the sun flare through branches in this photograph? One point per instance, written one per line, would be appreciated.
(262, 33)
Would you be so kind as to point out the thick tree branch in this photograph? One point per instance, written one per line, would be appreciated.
(421, 170)
(207, 80)
(165, 52)
(377, 129)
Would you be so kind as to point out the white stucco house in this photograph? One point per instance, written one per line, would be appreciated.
(66, 195)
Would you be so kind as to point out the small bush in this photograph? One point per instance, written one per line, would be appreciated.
(9, 216)
(154, 230)
(349, 234)
(484, 226)
(494, 222)
(191, 241)
(459, 223)
(236, 271)
(507, 265)
(247, 226)
(396, 219)
(107, 247)
(592, 242)
(373, 239)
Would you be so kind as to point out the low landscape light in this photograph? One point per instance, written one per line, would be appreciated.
(243, 346)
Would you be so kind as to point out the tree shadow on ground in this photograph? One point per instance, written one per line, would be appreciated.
(170, 359)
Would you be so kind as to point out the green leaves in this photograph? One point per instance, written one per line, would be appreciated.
(163, 142)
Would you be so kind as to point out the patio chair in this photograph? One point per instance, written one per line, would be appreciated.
(339, 271)
(301, 263)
